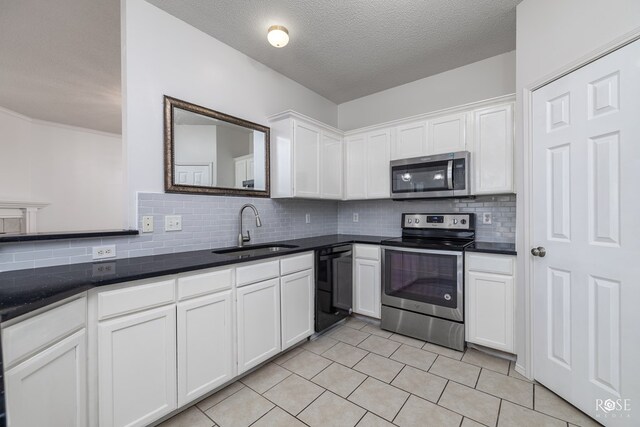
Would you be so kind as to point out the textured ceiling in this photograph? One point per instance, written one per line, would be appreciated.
(345, 49)
(60, 61)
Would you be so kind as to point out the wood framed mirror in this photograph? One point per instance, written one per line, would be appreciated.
(209, 152)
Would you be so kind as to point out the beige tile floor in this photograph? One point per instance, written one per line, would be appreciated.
(360, 375)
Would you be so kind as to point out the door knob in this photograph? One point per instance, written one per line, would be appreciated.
(539, 251)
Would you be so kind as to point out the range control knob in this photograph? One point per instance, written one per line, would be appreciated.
(455, 221)
(409, 221)
(417, 220)
(463, 221)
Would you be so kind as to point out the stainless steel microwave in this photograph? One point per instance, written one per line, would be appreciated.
(439, 176)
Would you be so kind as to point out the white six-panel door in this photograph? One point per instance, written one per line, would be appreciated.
(586, 214)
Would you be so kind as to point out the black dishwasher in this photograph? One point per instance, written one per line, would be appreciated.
(334, 285)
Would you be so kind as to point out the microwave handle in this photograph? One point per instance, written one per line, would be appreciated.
(450, 174)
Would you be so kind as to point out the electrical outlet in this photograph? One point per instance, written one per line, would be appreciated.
(147, 224)
(307, 218)
(486, 217)
(355, 217)
(173, 223)
(102, 252)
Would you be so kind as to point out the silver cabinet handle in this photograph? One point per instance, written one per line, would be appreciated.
(539, 251)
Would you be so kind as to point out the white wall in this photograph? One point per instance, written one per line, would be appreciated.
(163, 55)
(481, 80)
(78, 171)
(552, 35)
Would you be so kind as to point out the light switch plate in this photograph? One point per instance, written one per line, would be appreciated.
(307, 218)
(147, 224)
(173, 223)
(355, 217)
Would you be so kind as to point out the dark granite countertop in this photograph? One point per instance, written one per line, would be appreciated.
(23, 291)
(492, 248)
(30, 237)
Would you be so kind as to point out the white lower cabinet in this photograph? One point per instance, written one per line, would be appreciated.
(205, 336)
(296, 296)
(45, 362)
(137, 367)
(489, 300)
(258, 319)
(50, 388)
(367, 287)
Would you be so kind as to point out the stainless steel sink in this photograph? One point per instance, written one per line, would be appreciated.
(254, 250)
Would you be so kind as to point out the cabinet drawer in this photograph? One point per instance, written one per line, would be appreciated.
(296, 263)
(257, 272)
(204, 283)
(135, 298)
(489, 263)
(367, 252)
(36, 333)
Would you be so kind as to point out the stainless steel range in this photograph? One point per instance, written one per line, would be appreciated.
(423, 278)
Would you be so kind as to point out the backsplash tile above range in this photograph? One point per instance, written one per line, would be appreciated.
(212, 222)
(383, 217)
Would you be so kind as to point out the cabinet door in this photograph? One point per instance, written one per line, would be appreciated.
(50, 388)
(205, 345)
(490, 310)
(306, 159)
(378, 169)
(411, 141)
(331, 171)
(367, 287)
(447, 134)
(137, 367)
(355, 168)
(493, 150)
(296, 296)
(258, 308)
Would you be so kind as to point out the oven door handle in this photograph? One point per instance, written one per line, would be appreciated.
(450, 174)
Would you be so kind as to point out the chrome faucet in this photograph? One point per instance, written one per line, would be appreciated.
(242, 238)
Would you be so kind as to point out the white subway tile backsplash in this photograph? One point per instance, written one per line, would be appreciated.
(212, 222)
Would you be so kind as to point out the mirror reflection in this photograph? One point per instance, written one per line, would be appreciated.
(214, 153)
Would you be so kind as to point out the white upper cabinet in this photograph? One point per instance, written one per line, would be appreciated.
(331, 167)
(367, 165)
(306, 154)
(447, 134)
(378, 149)
(355, 167)
(493, 150)
(306, 158)
(410, 141)
(312, 160)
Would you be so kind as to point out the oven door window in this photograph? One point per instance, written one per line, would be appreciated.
(430, 176)
(424, 277)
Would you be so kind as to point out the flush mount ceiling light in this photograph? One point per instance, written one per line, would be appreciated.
(278, 36)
